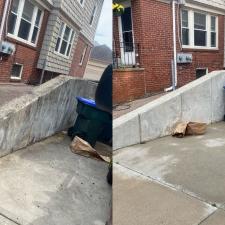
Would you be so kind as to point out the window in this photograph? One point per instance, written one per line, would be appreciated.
(16, 71)
(65, 40)
(213, 31)
(81, 2)
(185, 27)
(83, 55)
(24, 21)
(199, 30)
(201, 72)
(127, 30)
(93, 15)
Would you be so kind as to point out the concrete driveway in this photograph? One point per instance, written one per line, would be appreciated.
(11, 91)
(172, 181)
(46, 184)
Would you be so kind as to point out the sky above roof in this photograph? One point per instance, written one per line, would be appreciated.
(104, 30)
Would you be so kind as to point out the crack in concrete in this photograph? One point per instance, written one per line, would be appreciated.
(173, 187)
(1, 214)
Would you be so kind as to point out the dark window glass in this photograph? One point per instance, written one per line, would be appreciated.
(184, 18)
(12, 23)
(199, 21)
(128, 41)
(63, 47)
(200, 38)
(92, 15)
(24, 30)
(57, 44)
(34, 36)
(200, 73)
(185, 36)
(38, 18)
(16, 70)
(213, 23)
(213, 39)
(66, 34)
(126, 20)
(15, 5)
(68, 50)
(28, 11)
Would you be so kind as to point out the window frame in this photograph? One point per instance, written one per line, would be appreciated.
(21, 72)
(69, 42)
(192, 29)
(93, 14)
(201, 68)
(83, 55)
(82, 4)
(32, 22)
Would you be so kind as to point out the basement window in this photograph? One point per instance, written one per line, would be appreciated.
(24, 21)
(65, 40)
(200, 72)
(16, 72)
(199, 29)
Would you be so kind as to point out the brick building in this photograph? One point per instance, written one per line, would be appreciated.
(45, 38)
(145, 59)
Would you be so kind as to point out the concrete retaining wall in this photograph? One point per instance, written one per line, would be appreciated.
(202, 100)
(50, 108)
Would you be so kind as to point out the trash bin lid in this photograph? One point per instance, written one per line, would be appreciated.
(86, 101)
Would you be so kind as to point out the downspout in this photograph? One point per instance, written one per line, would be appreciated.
(174, 44)
(174, 61)
(4, 17)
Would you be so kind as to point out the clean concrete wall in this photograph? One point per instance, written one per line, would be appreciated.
(202, 100)
(50, 108)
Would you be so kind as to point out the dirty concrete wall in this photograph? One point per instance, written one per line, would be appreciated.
(202, 100)
(50, 108)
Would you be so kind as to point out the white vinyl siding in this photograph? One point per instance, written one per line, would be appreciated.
(24, 21)
(199, 29)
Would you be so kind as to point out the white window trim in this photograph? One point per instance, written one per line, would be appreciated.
(18, 21)
(91, 24)
(82, 3)
(68, 43)
(208, 30)
(83, 55)
(21, 72)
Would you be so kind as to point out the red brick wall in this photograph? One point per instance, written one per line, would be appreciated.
(152, 24)
(128, 85)
(77, 70)
(25, 54)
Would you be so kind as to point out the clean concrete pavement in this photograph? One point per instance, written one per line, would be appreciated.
(46, 184)
(172, 181)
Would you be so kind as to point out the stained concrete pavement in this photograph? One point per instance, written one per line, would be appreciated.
(47, 184)
(191, 167)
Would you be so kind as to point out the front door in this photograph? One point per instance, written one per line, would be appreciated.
(126, 38)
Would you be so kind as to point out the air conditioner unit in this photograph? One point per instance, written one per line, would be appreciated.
(7, 48)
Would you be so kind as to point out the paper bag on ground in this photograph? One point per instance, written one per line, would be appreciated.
(195, 128)
(81, 147)
(180, 129)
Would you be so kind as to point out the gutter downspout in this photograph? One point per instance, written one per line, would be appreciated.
(5, 13)
(174, 44)
(174, 61)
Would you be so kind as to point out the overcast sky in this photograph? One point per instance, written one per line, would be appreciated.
(104, 30)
